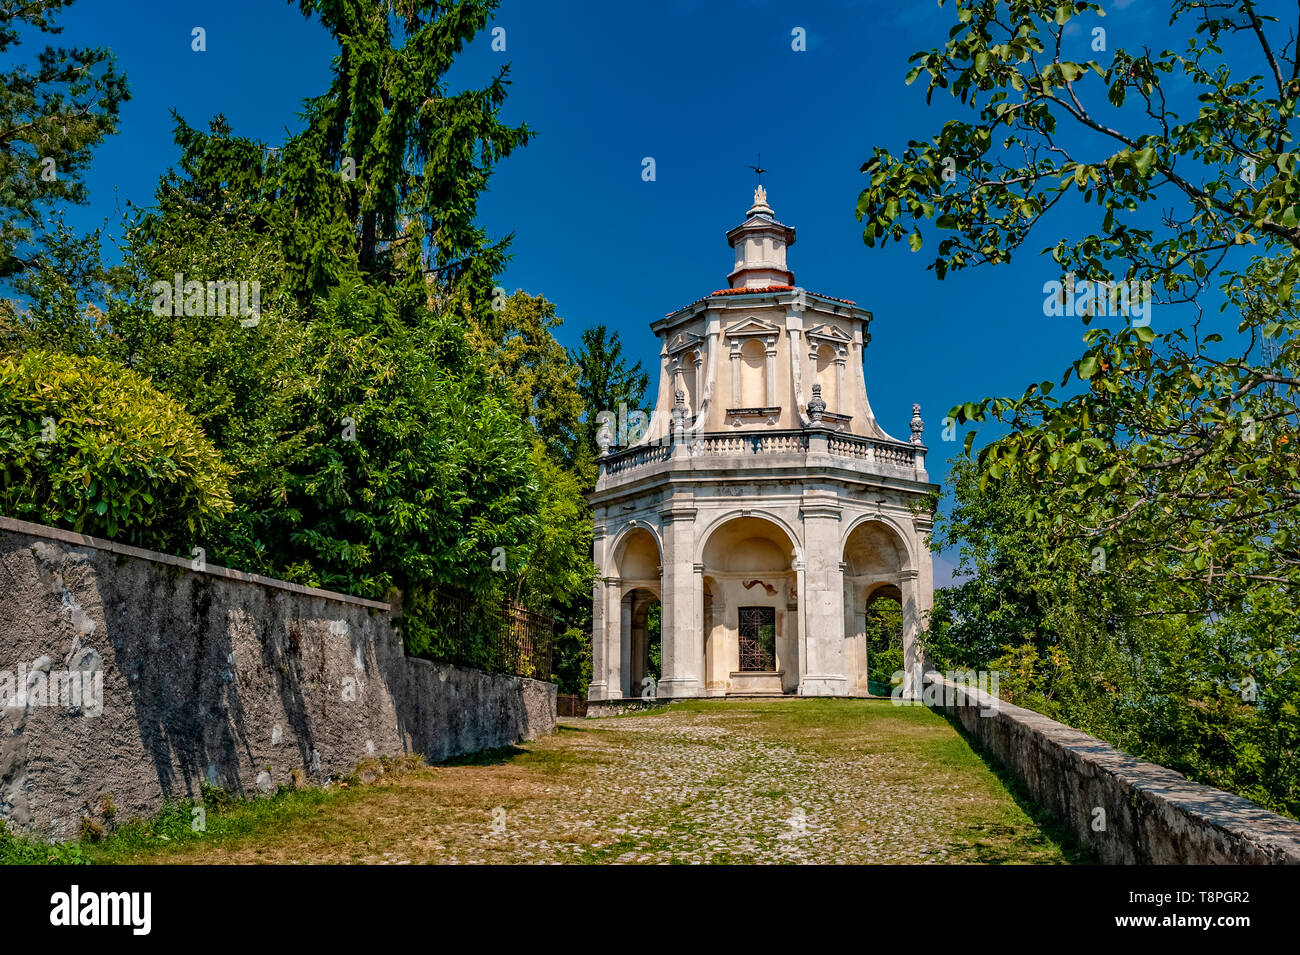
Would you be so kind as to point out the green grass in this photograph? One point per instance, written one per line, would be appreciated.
(442, 812)
(213, 820)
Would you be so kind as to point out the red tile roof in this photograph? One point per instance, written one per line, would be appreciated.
(759, 291)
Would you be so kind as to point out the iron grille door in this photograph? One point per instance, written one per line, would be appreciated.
(757, 639)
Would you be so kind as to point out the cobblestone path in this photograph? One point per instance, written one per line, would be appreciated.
(782, 781)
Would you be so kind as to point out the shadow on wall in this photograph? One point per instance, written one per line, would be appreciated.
(211, 677)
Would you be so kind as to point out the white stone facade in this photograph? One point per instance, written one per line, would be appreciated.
(762, 499)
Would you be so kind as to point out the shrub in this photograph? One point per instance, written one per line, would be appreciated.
(92, 446)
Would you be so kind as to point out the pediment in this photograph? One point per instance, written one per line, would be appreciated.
(753, 326)
(828, 332)
(684, 341)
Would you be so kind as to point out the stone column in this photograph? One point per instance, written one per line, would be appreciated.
(614, 637)
(801, 616)
(794, 327)
(913, 665)
(735, 373)
(771, 373)
(922, 526)
(699, 387)
(823, 596)
(840, 360)
(625, 642)
(599, 688)
(681, 627)
(697, 592)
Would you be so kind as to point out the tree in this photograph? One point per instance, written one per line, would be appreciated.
(519, 349)
(1175, 453)
(1210, 697)
(421, 155)
(606, 382)
(52, 116)
(884, 622)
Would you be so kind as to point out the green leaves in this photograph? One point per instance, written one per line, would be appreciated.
(88, 445)
(52, 116)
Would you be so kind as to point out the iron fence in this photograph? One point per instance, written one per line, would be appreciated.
(498, 638)
(570, 704)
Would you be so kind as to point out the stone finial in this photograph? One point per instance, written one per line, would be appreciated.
(918, 425)
(816, 406)
(605, 432)
(678, 417)
(760, 206)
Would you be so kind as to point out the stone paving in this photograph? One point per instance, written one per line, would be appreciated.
(785, 781)
(702, 787)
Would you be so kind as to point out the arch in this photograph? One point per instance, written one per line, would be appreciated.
(749, 562)
(900, 537)
(636, 554)
(748, 544)
(877, 558)
(882, 591)
(642, 645)
(706, 535)
(753, 374)
(882, 653)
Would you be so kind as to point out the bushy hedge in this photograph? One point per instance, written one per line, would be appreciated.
(89, 445)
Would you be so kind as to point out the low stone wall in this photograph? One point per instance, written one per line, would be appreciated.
(130, 678)
(1129, 810)
(598, 708)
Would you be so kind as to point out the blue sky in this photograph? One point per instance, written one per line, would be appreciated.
(703, 88)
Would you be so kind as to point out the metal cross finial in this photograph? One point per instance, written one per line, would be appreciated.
(758, 169)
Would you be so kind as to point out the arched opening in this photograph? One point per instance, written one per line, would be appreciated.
(874, 559)
(751, 643)
(632, 643)
(753, 374)
(638, 556)
(644, 652)
(884, 638)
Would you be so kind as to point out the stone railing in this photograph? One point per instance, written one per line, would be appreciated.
(636, 457)
(768, 442)
(866, 449)
(763, 442)
(1128, 810)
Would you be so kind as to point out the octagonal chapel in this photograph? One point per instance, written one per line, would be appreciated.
(764, 507)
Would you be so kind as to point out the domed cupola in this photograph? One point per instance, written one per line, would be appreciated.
(760, 243)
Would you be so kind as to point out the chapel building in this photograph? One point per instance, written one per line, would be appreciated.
(764, 507)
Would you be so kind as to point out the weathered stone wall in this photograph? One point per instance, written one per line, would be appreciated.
(619, 707)
(211, 676)
(1152, 815)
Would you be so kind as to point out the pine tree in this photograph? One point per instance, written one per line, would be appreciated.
(52, 115)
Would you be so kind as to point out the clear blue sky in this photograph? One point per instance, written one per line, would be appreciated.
(702, 86)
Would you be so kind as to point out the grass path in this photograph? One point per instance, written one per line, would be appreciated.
(700, 782)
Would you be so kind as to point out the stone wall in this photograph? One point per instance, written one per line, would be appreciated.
(208, 676)
(601, 708)
(1148, 814)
